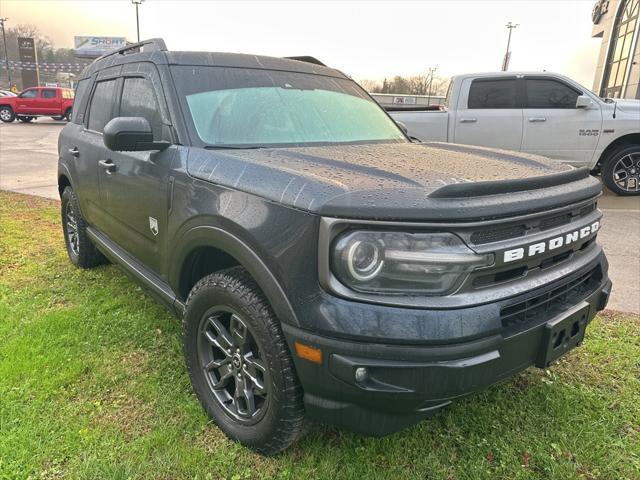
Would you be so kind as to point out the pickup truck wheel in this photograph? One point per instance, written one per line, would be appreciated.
(58, 117)
(621, 171)
(81, 251)
(25, 119)
(7, 115)
(239, 362)
(67, 115)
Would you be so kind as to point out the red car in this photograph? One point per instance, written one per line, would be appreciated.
(52, 102)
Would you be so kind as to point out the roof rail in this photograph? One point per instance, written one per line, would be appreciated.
(307, 59)
(151, 45)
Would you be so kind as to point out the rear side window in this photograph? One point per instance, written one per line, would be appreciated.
(48, 94)
(493, 94)
(139, 100)
(101, 108)
(550, 94)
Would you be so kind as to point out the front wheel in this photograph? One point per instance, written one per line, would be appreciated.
(7, 115)
(621, 171)
(239, 362)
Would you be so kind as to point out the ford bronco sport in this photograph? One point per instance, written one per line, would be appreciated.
(324, 266)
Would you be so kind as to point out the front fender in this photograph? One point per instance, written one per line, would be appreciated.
(215, 237)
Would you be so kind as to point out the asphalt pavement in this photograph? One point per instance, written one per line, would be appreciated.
(28, 163)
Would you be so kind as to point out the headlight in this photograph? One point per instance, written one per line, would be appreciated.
(400, 263)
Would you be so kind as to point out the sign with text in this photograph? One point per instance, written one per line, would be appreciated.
(27, 52)
(94, 47)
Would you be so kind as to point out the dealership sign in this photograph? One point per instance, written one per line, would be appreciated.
(96, 46)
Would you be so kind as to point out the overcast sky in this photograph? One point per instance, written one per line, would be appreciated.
(366, 39)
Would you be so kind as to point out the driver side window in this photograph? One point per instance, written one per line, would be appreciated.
(139, 100)
(29, 93)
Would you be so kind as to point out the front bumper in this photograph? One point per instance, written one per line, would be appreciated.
(407, 383)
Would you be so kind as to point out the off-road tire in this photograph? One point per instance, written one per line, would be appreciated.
(7, 115)
(282, 423)
(86, 255)
(612, 164)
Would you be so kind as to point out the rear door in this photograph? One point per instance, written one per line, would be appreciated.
(88, 148)
(554, 127)
(489, 113)
(50, 101)
(136, 190)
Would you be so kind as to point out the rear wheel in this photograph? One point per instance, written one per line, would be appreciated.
(67, 115)
(25, 119)
(58, 117)
(621, 171)
(81, 251)
(239, 362)
(7, 115)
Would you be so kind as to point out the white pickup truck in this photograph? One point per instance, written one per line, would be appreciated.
(541, 113)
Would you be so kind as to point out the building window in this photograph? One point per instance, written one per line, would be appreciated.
(620, 49)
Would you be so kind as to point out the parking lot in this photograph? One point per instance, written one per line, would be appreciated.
(28, 156)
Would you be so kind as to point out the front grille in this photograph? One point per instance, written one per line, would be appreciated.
(553, 302)
(491, 235)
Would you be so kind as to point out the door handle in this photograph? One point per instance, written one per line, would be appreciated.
(74, 151)
(537, 119)
(108, 165)
(468, 120)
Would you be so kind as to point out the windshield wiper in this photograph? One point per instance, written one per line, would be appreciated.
(231, 147)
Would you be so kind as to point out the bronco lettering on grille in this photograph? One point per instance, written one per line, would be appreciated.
(550, 244)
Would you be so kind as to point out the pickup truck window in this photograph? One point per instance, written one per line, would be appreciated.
(496, 93)
(549, 94)
(240, 106)
(29, 94)
(139, 100)
(48, 94)
(101, 108)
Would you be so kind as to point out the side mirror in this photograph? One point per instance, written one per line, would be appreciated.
(130, 134)
(584, 101)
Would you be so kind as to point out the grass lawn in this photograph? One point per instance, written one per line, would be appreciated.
(93, 385)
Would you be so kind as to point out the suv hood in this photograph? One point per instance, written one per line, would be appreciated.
(393, 181)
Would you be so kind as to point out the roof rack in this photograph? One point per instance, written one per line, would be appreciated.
(151, 45)
(307, 59)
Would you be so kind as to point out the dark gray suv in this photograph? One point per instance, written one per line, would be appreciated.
(324, 265)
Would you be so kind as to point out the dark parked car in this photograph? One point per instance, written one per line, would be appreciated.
(324, 266)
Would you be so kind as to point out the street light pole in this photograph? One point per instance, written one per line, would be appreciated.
(432, 71)
(505, 62)
(6, 57)
(137, 3)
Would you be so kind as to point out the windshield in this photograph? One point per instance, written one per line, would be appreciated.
(252, 107)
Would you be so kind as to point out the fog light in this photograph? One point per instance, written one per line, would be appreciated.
(361, 374)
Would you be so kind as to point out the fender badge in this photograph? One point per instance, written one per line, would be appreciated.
(153, 226)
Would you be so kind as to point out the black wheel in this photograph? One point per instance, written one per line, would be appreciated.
(7, 115)
(621, 171)
(67, 115)
(25, 119)
(81, 251)
(239, 363)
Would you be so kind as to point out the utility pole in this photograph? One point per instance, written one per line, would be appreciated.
(6, 57)
(432, 71)
(507, 55)
(137, 3)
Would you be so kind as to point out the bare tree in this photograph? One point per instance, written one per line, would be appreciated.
(415, 85)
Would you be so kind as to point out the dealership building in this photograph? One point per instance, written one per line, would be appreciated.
(617, 23)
